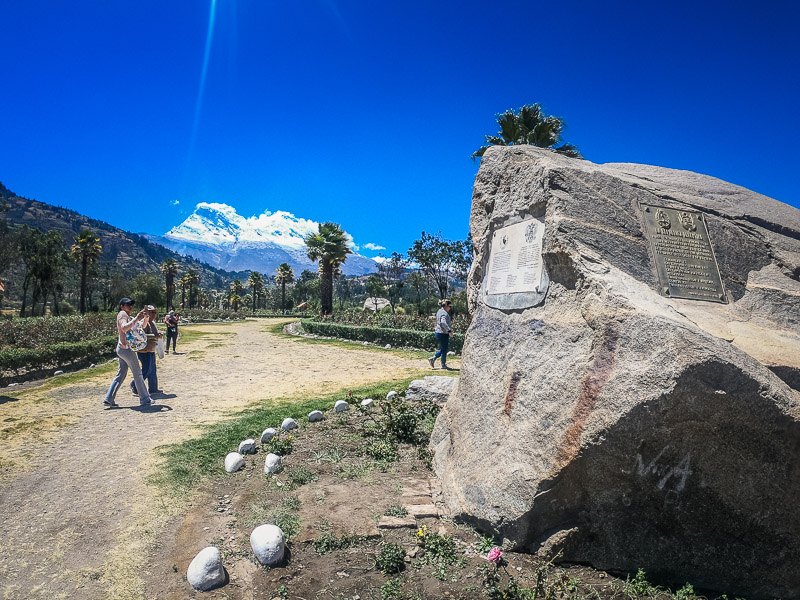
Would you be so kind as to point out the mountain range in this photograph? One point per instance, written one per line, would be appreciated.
(216, 234)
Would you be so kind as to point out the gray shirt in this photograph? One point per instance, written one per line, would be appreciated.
(443, 322)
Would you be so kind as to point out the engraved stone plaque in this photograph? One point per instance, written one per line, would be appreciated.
(515, 276)
(685, 261)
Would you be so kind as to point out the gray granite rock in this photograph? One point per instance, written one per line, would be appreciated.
(314, 416)
(248, 446)
(272, 463)
(268, 434)
(206, 571)
(620, 427)
(436, 388)
(367, 403)
(267, 543)
(289, 424)
(341, 406)
(233, 462)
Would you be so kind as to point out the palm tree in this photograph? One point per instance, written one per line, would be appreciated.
(256, 283)
(192, 278)
(85, 250)
(184, 284)
(169, 268)
(285, 275)
(329, 247)
(235, 292)
(529, 125)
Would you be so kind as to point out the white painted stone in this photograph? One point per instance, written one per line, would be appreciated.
(365, 344)
(272, 463)
(367, 403)
(451, 353)
(314, 416)
(388, 346)
(391, 395)
(341, 406)
(269, 433)
(58, 373)
(205, 571)
(233, 462)
(267, 544)
(12, 385)
(92, 366)
(248, 446)
(288, 424)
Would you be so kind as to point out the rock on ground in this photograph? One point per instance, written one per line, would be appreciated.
(391, 395)
(341, 406)
(233, 462)
(268, 544)
(272, 463)
(206, 571)
(289, 424)
(367, 403)
(314, 416)
(248, 446)
(433, 387)
(620, 427)
(268, 434)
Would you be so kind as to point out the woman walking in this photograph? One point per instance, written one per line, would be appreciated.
(147, 356)
(127, 357)
(443, 330)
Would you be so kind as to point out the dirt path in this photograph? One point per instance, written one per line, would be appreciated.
(76, 516)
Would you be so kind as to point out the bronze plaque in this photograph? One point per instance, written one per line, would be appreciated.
(685, 261)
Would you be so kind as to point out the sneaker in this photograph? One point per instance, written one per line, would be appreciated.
(446, 368)
(145, 403)
(432, 362)
(110, 404)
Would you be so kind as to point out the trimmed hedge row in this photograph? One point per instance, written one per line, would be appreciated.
(424, 340)
(57, 355)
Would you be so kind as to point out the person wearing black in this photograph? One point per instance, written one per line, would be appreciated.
(171, 321)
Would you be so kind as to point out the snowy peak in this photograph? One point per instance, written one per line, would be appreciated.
(220, 224)
(219, 235)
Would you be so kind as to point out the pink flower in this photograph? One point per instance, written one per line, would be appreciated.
(495, 554)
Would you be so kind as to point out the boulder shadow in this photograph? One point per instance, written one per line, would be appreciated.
(4, 399)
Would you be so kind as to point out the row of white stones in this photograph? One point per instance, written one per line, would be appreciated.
(267, 541)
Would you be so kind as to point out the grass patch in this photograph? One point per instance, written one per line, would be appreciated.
(277, 329)
(188, 463)
(189, 334)
(35, 428)
(62, 380)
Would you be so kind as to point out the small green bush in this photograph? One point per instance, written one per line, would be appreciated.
(390, 559)
(281, 445)
(57, 355)
(395, 510)
(300, 476)
(425, 340)
(329, 542)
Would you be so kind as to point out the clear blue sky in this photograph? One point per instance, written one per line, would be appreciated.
(366, 113)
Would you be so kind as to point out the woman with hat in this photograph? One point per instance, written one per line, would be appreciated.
(443, 330)
(127, 357)
(147, 356)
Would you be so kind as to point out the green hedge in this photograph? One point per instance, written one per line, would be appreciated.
(425, 340)
(57, 355)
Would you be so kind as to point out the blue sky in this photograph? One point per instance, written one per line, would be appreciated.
(366, 113)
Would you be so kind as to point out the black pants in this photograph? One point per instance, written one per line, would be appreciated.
(172, 334)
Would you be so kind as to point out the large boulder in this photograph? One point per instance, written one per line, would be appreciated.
(436, 388)
(599, 416)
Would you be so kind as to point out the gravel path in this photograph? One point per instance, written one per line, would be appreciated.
(77, 519)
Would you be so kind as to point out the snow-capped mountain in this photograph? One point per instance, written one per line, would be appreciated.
(215, 233)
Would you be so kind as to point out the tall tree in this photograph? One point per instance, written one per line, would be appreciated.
(438, 258)
(183, 284)
(256, 284)
(285, 275)
(8, 245)
(529, 125)
(420, 283)
(375, 289)
(392, 271)
(169, 268)
(235, 294)
(85, 250)
(192, 278)
(329, 247)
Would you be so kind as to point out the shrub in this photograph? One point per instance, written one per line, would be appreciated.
(328, 542)
(37, 332)
(56, 355)
(390, 559)
(424, 340)
(281, 445)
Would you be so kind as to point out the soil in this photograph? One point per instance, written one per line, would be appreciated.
(78, 518)
(76, 513)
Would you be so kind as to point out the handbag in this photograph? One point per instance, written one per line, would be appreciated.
(160, 347)
(136, 338)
